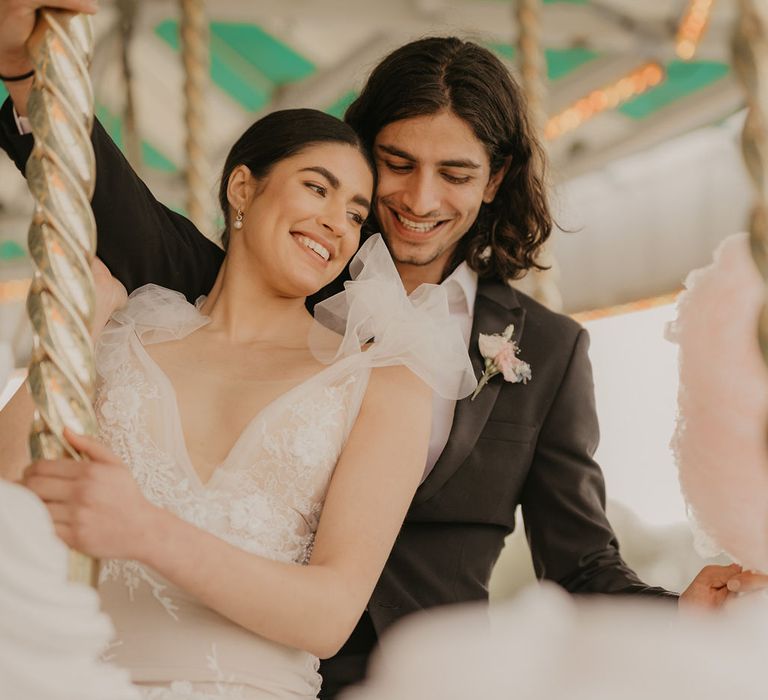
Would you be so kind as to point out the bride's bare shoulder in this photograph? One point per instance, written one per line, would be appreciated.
(397, 384)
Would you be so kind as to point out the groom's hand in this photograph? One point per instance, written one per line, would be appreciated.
(17, 20)
(714, 584)
(710, 587)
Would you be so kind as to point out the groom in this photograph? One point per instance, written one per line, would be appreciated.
(460, 201)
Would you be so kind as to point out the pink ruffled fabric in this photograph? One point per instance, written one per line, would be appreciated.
(721, 437)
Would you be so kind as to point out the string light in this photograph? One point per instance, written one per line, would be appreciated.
(635, 83)
(692, 27)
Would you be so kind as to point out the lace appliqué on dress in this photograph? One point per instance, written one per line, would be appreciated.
(266, 498)
(132, 574)
(298, 456)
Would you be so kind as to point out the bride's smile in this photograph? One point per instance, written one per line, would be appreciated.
(302, 221)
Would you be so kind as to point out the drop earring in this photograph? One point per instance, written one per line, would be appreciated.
(238, 222)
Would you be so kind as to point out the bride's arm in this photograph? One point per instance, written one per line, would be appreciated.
(15, 422)
(16, 415)
(313, 607)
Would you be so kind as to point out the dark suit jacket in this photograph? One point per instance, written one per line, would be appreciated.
(516, 444)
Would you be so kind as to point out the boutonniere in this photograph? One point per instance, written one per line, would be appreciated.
(500, 353)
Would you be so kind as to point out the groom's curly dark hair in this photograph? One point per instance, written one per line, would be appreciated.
(435, 74)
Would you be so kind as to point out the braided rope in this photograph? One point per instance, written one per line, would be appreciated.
(532, 65)
(750, 62)
(195, 58)
(62, 241)
(127, 23)
(541, 284)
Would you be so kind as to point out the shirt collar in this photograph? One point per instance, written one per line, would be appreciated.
(461, 287)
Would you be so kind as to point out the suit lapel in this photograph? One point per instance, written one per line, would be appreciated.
(496, 306)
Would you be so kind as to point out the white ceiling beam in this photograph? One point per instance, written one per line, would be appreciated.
(707, 106)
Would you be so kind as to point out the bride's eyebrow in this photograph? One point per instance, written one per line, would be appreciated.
(327, 174)
(334, 182)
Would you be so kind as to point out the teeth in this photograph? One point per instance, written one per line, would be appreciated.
(321, 250)
(416, 226)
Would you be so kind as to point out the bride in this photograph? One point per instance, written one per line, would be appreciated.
(255, 465)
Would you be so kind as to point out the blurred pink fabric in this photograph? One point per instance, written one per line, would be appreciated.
(721, 437)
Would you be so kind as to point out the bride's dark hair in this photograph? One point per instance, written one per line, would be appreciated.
(278, 136)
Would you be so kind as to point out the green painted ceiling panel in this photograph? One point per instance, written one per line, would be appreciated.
(229, 70)
(11, 250)
(246, 62)
(338, 108)
(150, 156)
(560, 62)
(275, 60)
(683, 78)
(238, 78)
(154, 159)
(504, 50)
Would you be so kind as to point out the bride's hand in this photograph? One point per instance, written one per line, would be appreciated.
(714, 584)
(96, 505)
(110, 295)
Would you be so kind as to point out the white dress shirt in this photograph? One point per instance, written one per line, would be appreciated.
(22, 123)
(461, 287)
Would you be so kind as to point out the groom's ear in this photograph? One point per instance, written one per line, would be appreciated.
(494, 182)
(240, 187)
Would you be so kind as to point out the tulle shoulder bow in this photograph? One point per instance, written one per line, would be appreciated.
(158, 314)
(414, 330)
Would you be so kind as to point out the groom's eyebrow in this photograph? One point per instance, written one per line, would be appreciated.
(335, 183)
(452, 163)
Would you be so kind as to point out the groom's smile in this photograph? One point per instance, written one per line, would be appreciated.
(434, 175)
(414, 228)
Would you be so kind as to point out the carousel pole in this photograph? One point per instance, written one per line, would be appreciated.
(195, 58)
(541, 284)
(750, 63)
(62, 242)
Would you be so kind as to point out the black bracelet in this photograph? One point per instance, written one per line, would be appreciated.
(17, 78)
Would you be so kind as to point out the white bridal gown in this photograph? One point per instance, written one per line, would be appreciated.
(266, 497)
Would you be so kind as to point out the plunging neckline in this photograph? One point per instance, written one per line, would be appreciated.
(178, 425)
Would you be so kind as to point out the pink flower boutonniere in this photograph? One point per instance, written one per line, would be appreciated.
(500, 353)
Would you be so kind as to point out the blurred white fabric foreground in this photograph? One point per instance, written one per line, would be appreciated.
(52, 632)
(545, 646)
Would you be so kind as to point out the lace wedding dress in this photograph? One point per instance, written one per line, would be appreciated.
(267, 496)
